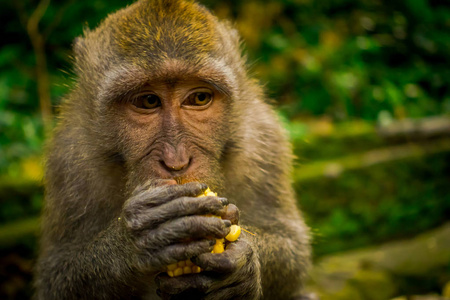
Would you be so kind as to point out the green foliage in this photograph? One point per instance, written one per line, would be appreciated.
(339, 59)
(336, 58)
(329, 63)
(377, 204)
(19, 200)
(343, 59)
(20, 119)
(350, 58)
(343, 139)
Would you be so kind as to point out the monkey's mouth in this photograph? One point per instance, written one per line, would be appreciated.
(187, 177)
(180, 180)
(181, 177)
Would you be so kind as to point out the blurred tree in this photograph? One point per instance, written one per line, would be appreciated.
(322, 61)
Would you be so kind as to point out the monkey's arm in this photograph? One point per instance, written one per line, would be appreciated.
(284, 255)
(97, 270)
(120, 261)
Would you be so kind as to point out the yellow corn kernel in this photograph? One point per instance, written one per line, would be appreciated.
(219, 246)
(187, 266)
(172, 267)
(207, 192)
(178, 272)
(235, 232)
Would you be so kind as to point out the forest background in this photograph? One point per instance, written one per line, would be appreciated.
(362, 86)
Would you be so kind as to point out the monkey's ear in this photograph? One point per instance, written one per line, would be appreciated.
(78, 46)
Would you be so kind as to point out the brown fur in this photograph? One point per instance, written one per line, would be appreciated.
(94, 164)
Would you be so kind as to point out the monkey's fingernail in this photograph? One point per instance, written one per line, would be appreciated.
(227, 223)
(224, 201)
(212, 242)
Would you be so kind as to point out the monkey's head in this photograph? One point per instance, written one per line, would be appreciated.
(159, 85)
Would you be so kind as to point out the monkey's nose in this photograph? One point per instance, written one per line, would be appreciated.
(175, 158)
(175, 166)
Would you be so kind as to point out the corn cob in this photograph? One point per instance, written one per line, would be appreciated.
(187, 266)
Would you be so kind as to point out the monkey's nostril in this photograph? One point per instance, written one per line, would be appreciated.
(175, 166)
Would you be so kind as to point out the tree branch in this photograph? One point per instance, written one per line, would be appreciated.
(42, 78)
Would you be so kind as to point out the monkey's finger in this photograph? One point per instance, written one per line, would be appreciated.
(152, 183)
(231, 213)
(185, 228)
(235, 256)
(186, 284)
(185, 206)
(166, 193)
(191, 189)
(183, 251)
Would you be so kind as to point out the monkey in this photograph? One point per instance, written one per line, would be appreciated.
(162, 108)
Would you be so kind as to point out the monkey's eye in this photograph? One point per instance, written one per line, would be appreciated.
(149, 101)
(198, 99)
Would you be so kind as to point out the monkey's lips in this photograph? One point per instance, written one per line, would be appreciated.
(184, 179)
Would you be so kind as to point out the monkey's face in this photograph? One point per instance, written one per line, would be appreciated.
(173, 129)
(161, 80)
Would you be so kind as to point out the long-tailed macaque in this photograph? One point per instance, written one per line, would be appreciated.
(161, 109)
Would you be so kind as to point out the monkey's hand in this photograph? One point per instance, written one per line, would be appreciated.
(232, 274)
(166, 224)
